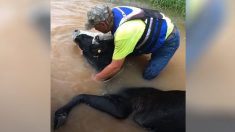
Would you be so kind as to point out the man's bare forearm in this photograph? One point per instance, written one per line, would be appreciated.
(107, 72)
(110, 70)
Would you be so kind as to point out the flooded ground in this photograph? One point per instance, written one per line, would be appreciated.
(71, 75)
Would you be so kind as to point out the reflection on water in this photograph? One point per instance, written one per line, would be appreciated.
(71, 75)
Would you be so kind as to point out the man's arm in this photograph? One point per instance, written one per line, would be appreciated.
(110, 70)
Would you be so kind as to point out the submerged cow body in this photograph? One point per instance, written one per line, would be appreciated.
(155, 110)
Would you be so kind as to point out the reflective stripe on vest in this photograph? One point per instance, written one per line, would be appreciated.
(147, 31)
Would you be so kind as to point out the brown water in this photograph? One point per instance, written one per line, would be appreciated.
(71, 75)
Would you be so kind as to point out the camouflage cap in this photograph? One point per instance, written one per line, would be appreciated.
(96, 14)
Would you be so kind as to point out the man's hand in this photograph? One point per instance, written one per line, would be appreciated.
(109, 70)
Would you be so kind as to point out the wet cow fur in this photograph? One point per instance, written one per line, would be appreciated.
(155, 110)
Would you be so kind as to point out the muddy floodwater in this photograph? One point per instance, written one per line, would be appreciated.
(71, 74)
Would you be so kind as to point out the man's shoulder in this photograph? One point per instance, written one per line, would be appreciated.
(133, 23)
(130, 27)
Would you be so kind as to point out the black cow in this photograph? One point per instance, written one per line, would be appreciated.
(155, 110)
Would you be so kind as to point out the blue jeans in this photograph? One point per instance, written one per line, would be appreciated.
(161, 57)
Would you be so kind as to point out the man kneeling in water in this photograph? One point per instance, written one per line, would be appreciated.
(136, 31)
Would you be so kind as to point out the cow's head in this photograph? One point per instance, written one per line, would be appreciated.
(98, 52)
